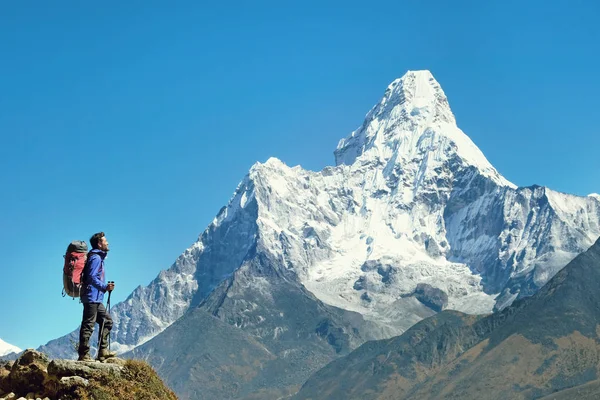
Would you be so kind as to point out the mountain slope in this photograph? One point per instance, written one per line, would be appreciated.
(543, 344)
(7, 348)
(258, 335)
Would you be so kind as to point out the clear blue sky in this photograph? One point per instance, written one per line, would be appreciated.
(139, 118)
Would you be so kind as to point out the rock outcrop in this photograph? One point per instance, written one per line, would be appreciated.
(34, 376)
(434, 298)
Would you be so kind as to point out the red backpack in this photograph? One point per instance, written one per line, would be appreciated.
(75, 259)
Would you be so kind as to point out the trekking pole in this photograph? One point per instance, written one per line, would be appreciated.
(108, 305)
(100, 338)
(102, 329)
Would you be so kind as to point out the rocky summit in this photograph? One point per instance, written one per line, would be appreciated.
(34, 376)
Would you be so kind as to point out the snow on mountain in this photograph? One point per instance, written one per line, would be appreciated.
(7, 348)
(411, 200)
(413, 122)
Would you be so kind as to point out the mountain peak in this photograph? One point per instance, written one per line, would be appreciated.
(420, 94)
(413, 124)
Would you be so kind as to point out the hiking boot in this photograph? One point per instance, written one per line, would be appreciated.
(105, 353)
(85, 357)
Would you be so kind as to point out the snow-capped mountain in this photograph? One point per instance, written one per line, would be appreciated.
(7, 348)
(411, 219)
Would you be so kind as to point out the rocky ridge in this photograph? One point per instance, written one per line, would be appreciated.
(33, 376)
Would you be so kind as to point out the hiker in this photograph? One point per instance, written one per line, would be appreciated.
(92, 296)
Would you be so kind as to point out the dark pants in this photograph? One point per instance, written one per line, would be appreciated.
(92, 313)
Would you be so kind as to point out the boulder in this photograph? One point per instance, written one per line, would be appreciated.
(432, 297)
(68, 383)
(29, 372)
(86, 370)
(5, 367)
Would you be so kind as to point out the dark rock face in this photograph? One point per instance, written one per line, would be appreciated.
(29, 371)
(434, 298)
(5, 367)
(544, 344)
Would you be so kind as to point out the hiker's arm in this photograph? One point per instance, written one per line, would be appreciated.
(95, 274)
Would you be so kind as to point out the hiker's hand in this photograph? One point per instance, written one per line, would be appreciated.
(110, 287)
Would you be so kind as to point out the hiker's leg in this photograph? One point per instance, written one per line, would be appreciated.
(106, 323)
(87, 327)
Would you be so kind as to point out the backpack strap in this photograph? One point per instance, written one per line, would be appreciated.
(87, 262)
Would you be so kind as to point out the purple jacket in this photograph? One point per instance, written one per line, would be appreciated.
(94, 285)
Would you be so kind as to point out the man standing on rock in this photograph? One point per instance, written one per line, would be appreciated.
(92, 296)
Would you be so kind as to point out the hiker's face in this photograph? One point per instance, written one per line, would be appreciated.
(103, 244)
